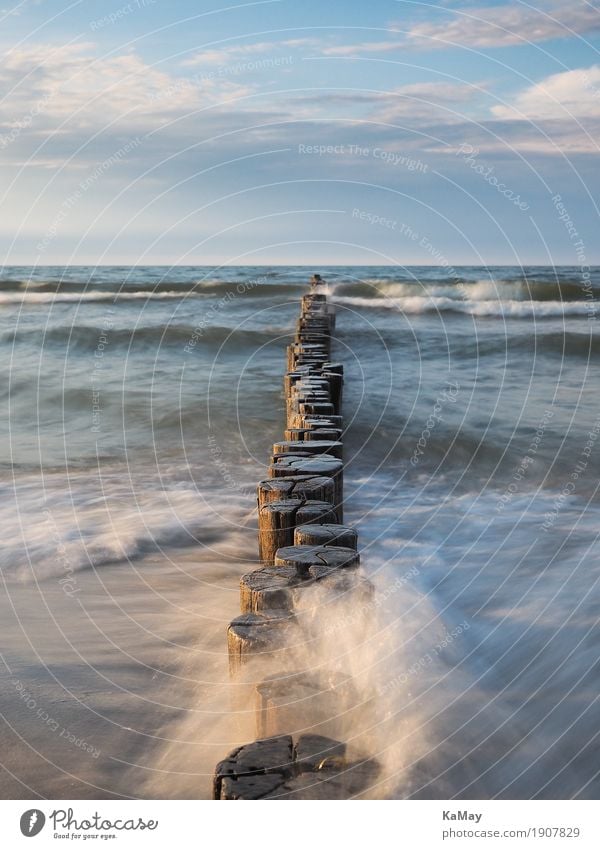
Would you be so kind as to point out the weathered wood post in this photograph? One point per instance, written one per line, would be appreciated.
(257, 634)
(278, 520)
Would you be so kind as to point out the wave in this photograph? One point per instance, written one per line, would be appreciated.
(250, 288)
(521, 289)
(415, 305)
(86, 338)
(372, 446)
(64, 523)
(119, 283)
(567, 344)
(46, 291)
(77, 297)
(493, 606)
(462, 460)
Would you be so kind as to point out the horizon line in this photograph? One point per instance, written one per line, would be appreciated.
(295, 265)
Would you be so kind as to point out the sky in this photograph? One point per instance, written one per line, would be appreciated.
(277, 132)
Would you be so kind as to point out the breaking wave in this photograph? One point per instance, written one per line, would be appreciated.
(414, 305)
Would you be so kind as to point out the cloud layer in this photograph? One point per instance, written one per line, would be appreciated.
(216, 129)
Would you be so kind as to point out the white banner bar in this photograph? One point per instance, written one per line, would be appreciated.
(286, 825)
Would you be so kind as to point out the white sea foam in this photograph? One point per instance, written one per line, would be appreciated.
(415, 305)
(93, 295)
(57, 524)
(485, 646)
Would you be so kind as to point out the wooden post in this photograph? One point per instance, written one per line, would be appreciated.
(255, 770)
(312, 422)
(323, 465)
(304, 487)
(318, 408)
(270, 588)
(305, 434)
(278, 520)
(274, 590)
(252, 635)
(316, 560)
(326, 534)
(309, 766)
(283, 702)
(313, 446)
(336, 382)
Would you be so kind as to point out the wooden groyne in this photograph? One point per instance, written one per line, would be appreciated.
(303, 546)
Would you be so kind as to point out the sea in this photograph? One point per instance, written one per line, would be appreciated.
(139, 409)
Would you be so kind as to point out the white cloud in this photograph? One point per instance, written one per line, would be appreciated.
(434, 103)
(364, 47)
(223, 55)
(64, 94)
(563, 96)
(499, 26)
(71, 83)
(482, 27)
(435, 92)
(220, 56)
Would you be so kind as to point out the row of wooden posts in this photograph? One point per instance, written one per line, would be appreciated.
(302, 543)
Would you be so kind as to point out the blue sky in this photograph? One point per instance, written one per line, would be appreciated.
(277, 132)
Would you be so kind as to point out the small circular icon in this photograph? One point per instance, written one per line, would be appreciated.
(32, 822)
